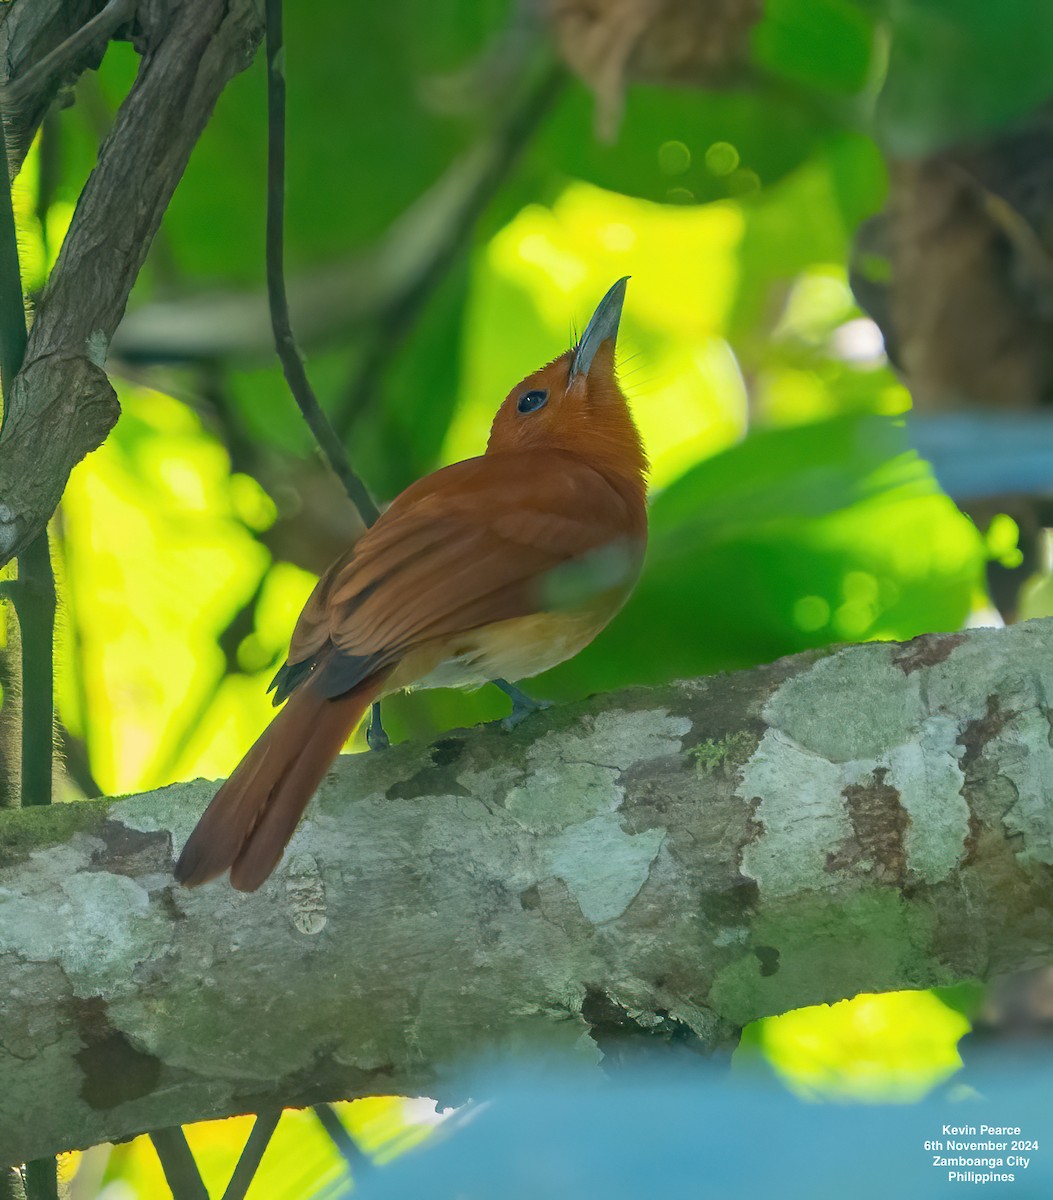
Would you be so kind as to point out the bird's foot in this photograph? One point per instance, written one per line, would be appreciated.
(522, 704)
(376, 738)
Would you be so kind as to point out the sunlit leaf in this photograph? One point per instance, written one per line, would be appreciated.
(895, 1046)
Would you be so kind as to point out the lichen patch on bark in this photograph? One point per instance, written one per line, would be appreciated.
(176, 808)
(927, 777)
(1030, 817)
(574, 776)
(800, 812)
(858, 727)
(603, 896)
(91, 923)
(852, 705)
(573, 789)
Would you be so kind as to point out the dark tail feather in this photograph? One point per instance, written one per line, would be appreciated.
(253, 815)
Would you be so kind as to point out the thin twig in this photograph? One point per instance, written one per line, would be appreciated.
(500, 153)
(35, 606)
(12, 307)
(34, 596)
(177, 1162)
(74, 746)
(351, 1152)
(292, 363)
(10, 714)
(11, 316)
(255, 1147)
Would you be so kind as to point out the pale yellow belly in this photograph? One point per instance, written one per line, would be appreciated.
(514, 649)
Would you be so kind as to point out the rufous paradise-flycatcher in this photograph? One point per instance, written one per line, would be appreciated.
(494, 568)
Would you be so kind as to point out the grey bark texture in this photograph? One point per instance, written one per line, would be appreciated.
(669, 863)
(62, 405)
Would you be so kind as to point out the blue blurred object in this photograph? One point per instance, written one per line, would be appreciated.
(975, 455)
(693, 1136)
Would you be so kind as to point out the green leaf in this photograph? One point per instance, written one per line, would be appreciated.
(959, 68)
(786, 475)
(794, 538)
(662, 151)
(364, 138)
(824, 44)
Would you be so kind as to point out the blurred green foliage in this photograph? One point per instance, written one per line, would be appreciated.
(788, 511)
(959, 68)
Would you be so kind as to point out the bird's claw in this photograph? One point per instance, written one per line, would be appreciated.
(520, 712)
(522, 704)
(376, 738)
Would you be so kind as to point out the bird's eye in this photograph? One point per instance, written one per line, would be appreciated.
(532, 401)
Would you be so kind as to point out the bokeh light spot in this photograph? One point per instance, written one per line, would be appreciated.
(811, 613)
(860, 586)
(721, 158)
(744, 183)
(680, 195)
(853, 619)
(674, 158)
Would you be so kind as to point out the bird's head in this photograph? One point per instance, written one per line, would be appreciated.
(575, 403)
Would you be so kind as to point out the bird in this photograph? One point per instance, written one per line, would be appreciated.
(491, 569)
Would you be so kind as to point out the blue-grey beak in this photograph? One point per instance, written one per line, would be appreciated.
(603, 326)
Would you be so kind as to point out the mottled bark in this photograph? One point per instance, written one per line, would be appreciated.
(671, 863)
(61, 405)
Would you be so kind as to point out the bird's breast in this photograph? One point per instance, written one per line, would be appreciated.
(575, 600)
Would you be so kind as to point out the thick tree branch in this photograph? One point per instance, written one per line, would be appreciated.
(62, 405)
(44, 46)
(34, 592)
(34, 88)
(672, 862)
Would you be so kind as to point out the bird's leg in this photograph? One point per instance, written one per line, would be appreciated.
(522, 704)
(376, 738)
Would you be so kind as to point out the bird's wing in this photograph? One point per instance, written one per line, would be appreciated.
(474, 543)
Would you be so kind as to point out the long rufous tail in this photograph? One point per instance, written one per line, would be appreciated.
(253, 815)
